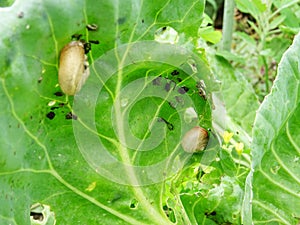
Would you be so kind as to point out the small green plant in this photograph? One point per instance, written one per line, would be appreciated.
(264, 34)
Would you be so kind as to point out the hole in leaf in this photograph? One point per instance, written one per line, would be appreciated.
(201, 89)
(71, 116)
(275, 169)
(50, 115)
(179, 79)
(40, 80)
(174, 72)
(92, 27)
(210, 214)
(37, 216)
(58, 93)
(169, 125)
(76, 36)
(166, 35)
(133, 204)
(234, 216)
(41, 214)
(169, 213)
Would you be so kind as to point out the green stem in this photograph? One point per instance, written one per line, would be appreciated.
(227, 25)
(266, 73)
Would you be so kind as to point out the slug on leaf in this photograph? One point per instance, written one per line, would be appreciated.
(73, 67)
(195, 140)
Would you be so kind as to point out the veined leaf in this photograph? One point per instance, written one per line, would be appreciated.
(275, 149)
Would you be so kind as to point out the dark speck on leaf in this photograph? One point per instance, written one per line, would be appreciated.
(168, 86)
(92, 27)
(179, 79)
(213, 213)
(121, 20)
(76, 36)
(40, 80)
(54, 107)
(20, 15)
(87, 47)
(37, 216)
(71, 116)
(58, 93)
(183, 90)
(168, 211)
(50, 115)
(160, 119)
(164, 28)
(174, 72)
(202, 94)
(201, 89)
(133, 204)
(95, 42)
(169, 125)
(173, 105)
(157, 81)
(179, 99)
(143, 20)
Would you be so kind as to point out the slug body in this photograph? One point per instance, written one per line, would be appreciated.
(73, 67)
(195, 140)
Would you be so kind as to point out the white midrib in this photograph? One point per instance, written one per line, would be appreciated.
(123, 151)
